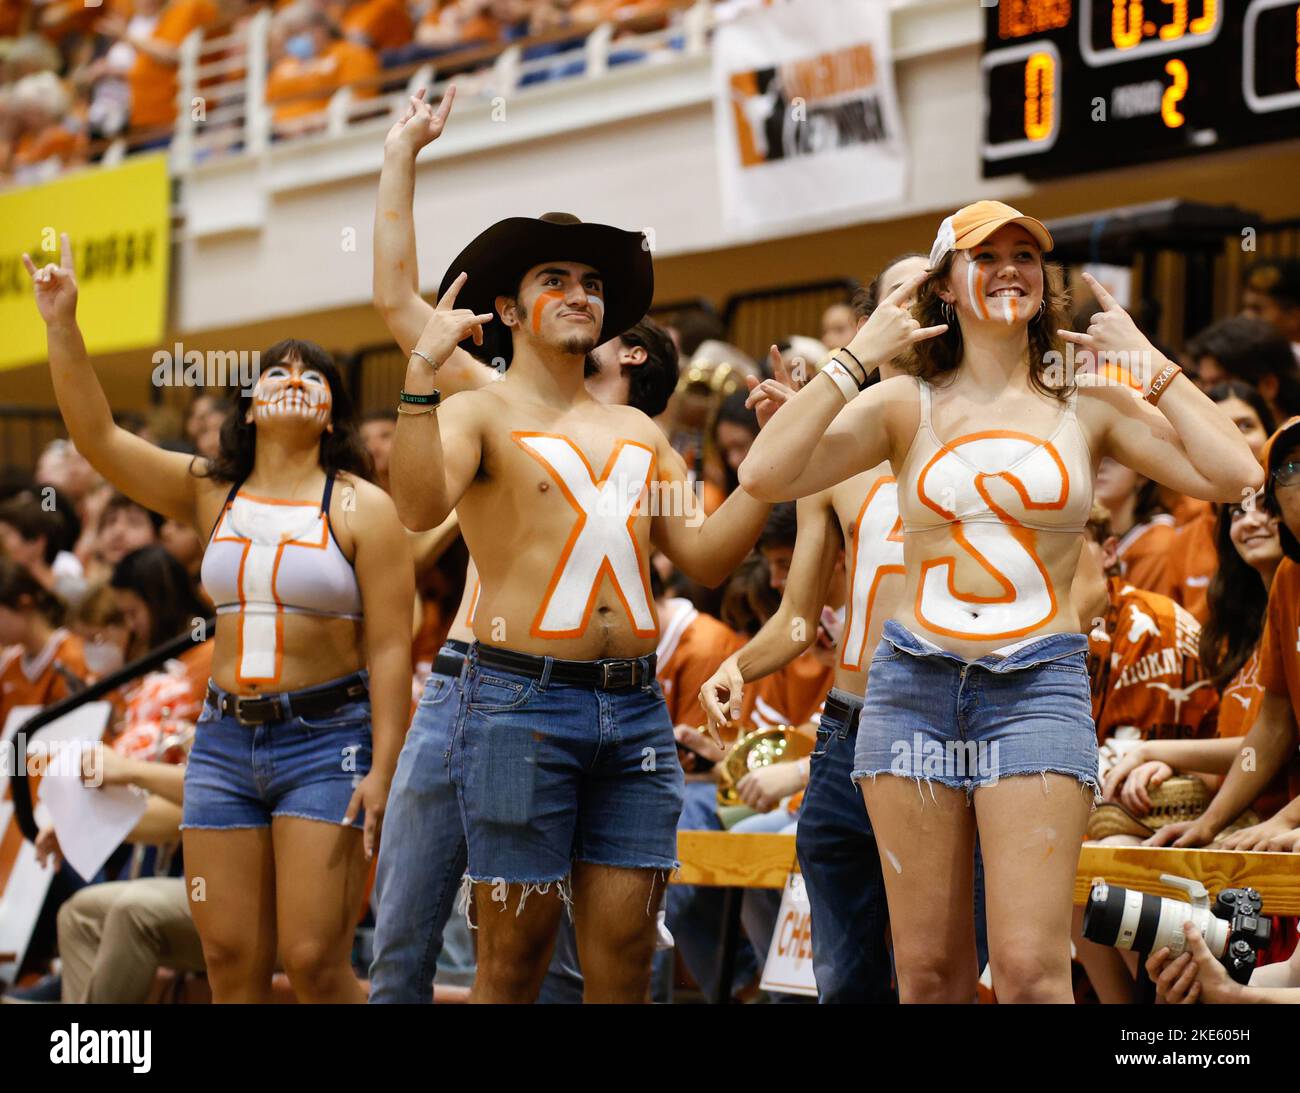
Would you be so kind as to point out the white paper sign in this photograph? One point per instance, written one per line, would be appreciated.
(90, 822)
(789, 966)
(806, 113)
(23, 882)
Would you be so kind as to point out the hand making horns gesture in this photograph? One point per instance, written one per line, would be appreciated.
(449, 325)
(56, 286)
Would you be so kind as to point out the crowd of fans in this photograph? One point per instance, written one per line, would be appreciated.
(74, 77)
(89, 581)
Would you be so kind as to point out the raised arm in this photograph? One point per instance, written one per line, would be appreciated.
(158, 480)
(1185, 441)
(436, 452)
(708, 549)
(793, 627)
(396, 287)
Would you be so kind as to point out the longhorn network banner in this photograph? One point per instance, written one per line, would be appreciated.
(806, 113)
(119, 220)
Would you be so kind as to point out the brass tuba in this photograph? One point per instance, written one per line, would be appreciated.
(760, 748)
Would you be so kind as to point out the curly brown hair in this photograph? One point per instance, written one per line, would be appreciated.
(937, 357)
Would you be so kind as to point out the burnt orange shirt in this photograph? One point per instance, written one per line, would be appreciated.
(1147, 671)
(1186, 509)
(1192, 562)
(342, 63)
(54, 673)
(1144, 554)
(54, 141)
(1279, 657)
(793, 695)
(385, 23)
(1241, 701)
(153, 84)
(691, 646)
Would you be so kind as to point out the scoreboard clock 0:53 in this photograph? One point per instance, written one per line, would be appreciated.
(1081, 85)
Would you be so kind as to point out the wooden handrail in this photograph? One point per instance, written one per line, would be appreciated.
(723, 860)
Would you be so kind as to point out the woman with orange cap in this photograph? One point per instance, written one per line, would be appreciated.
(979, 688)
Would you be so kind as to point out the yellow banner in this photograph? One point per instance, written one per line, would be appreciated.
(119, 222)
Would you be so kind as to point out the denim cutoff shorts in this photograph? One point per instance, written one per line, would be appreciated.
(241, 776)
(550, 773)
(932, 715)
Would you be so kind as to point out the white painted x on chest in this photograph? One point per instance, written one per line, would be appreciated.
(592, 484)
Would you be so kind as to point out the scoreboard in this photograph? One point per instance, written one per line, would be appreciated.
(1072, 86)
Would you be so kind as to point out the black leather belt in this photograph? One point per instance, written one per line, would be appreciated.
(846, 712)
(449, 664)
(258, 709)
(604, 675)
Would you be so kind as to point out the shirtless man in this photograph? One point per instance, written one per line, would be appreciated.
(563, 754)
(836, 848)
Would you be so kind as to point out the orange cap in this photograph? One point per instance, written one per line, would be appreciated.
(970, 226)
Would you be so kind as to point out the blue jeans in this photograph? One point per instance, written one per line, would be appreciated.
(421, 851)
(422, 857)
(841, 868)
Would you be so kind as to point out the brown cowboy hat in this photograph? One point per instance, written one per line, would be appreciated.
(498, 258)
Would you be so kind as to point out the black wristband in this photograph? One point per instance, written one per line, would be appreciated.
(420, 400)
(862, 383)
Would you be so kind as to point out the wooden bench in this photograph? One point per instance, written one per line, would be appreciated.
(722, 860)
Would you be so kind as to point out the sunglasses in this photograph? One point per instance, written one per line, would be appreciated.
(1287, 474)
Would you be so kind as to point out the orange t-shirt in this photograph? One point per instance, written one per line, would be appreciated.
(385, 23)
(1192, 563)
(1144, 554)
(153, 84)
(54, 673)
(1279, 649)
(691, 646)
(342, 63)
(1237, 712)
(1147, 671)
(54, 141)
(793, 695)
(163, 707)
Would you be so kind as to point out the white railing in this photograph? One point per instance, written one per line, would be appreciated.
(221, 83)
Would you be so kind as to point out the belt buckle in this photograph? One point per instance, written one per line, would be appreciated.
(611, 682)
(239, 711)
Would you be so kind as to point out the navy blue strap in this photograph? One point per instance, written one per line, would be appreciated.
(329, 492)
(230, 499)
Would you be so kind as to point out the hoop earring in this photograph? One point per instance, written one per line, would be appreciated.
(1042, 307)
(949, 315)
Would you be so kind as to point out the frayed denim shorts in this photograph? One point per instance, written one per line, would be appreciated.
(549, 773)
(932, 715)
(241, 776)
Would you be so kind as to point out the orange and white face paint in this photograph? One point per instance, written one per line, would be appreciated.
(283, 393)
(553, 300)
(999, 471)
(602, 543)
(1008, 309)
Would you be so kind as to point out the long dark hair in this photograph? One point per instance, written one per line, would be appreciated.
(341, 448)
(941, 356)
(164, 585)
(1237, 602)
